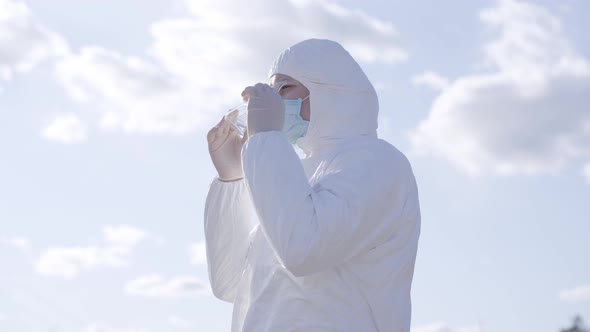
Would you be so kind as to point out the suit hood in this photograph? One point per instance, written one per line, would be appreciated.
(343, 103)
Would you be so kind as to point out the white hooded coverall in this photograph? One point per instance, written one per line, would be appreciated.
(324, 243)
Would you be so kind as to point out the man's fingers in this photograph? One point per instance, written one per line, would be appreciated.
(232, 115)
(220, 122)
(218, 130)
(254, 91)
(245, 137)
(224, 128)
(248, 91)
(211, 134)
(261, 85)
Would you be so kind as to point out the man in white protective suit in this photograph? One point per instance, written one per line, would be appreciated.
(324, 243)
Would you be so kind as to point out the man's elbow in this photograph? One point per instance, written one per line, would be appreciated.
(297, 271)
(227, 294)
(299, 264)
(222, 288)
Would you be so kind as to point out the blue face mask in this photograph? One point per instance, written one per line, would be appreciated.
(295, 127)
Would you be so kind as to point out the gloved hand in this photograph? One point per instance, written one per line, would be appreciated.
(225, 148)
(266, 110)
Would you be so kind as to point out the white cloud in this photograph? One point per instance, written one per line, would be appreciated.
(198, 253)
(23, 41)
(69, 262)
(202, 62)
(444, 327)
(430, 79)
(158, 286)
(123, 235)
(17, 242)
(527, 113)
(368, 38)
(132, 94)
(181, 323)
(68, 129)
(98, 327)
(576, 294)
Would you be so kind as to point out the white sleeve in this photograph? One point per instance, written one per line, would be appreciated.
(228, 222)
(356, 205)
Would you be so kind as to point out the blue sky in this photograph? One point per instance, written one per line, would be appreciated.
(104, 170)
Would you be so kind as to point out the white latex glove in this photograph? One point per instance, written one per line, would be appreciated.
(266, 110)
(225, 148)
